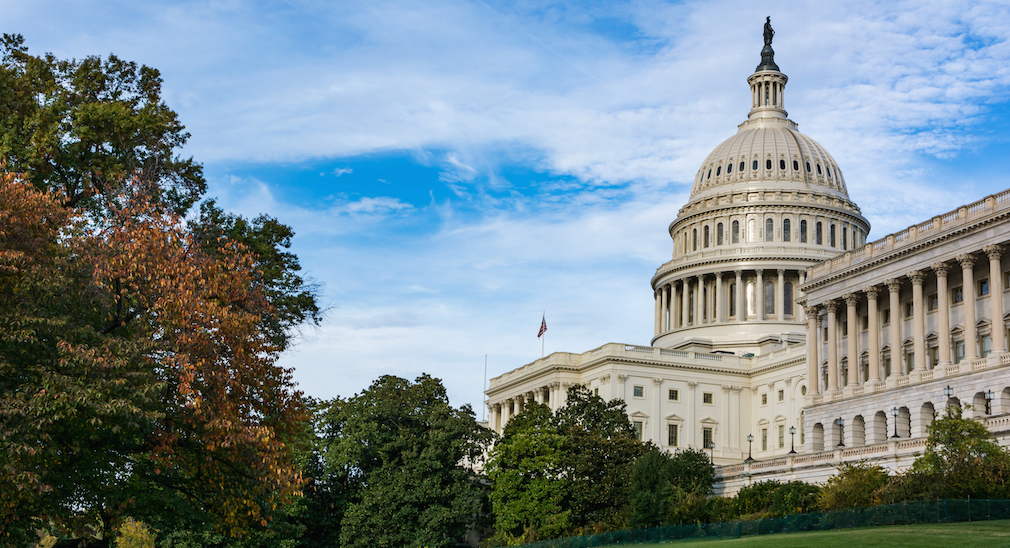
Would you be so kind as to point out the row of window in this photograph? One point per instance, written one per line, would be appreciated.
(787, 234)
(755, 164)
(673, 434)
(751, 301)
(673, 394)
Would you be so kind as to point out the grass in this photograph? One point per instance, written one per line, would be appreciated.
(989, 534)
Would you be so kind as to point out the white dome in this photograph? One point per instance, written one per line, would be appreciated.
(766, 153)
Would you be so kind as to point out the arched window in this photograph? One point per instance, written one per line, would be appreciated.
(736, 232)
(818, 169)
(769, 230)
(729, 168)
(742, 165)
(828, 169)
(786, 229)
(718, 234)
(803, 232)
(718, 170)
(845, 239)
(732, 299)
(706, 235)
(751, 299)
(796, 165)
(754, 165)
(831, 235)
(768, 164)
(787, 298)
(695, 240)
(782, 164)
(819, 236)
(710, 172)
(769, 298)
(808, 167)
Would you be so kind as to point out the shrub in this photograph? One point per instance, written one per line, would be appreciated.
(795, 497)
(854, 486)
(755, 500)
(134, 534)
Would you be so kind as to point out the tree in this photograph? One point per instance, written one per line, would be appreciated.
(527, 468)
(134, 376)
(855, 485)
(406, 460)
(85, 127)
(650, 489)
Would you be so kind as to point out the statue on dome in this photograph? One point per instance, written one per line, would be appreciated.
(769, 32)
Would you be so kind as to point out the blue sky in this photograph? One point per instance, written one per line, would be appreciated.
(454, 169)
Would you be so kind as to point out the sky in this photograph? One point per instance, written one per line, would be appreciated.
(455, 171)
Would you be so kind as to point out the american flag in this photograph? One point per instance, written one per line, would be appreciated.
(543, 327)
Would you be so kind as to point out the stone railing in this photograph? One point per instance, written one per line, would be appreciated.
(912, 235)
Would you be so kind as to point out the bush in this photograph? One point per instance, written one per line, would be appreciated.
(755, 500)
(855, 485)
(795, 497)
(134, 534)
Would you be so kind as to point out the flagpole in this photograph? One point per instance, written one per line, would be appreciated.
(544, 339)
(483, 408)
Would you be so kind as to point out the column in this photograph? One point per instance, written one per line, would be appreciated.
(943, 309)
(659, 301)
(506, 413)
(813, 379)
(832, 307)
(685, 301)
(492, 417)
(724, 433)
(734, 418)
(693, 428)
(873, 336)
(780, 295)
(657, 384)
(918, 321)
(664, 323)
(622, 381)
(851, 301)
(996, 298)
(741, 310)
(894, 287)
(760, 291)
(967, 261)
(698, 299)
(720, 299)
(520, 403)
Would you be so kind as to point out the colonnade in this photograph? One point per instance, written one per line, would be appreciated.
(824, 325)
(553, 395)
(701, 299)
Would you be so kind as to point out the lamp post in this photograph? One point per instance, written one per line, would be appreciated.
(750, 443)
(895, 413)
(792, 432)
(949, 393)
(711, 446)
(989, 396)
(841, 432)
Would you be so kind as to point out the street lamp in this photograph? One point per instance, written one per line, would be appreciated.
(841, 432)
(989, 396)
(949, 392)
(711, 446)
(750, 443)
(895, 413)
(792, 432)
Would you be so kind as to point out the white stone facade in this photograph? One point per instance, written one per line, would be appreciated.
(775, 314)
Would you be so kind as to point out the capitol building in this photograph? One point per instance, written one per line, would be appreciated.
(786, 341)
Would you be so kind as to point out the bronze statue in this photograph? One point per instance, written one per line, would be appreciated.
(769, 33)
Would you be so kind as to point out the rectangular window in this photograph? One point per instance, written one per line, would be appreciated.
(596, 391)
(764, 439)
(983, 287)
(639, 392)
(958, 351)
(825, 334)
(845, 239)
(909, 309)
(638, 430)
(706, 437)
(957, 295)
(1006, 281)
(782, 395)
(866, 322)
(671, 435)
(934, 356)
(934, 302)
(782, 436)
(706, 397)
(887, 316)
(887, 365)
(909, 361)
(674, 395)
(845, 328)
(764, 399)
(986, 345)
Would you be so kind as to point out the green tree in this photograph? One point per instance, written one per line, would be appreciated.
(409, 462)
(651, 489)
(83, 127)
(755, 500)
(794, 497)
(692, 471)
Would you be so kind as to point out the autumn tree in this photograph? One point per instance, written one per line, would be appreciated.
(135, 375)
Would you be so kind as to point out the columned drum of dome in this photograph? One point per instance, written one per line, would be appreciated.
(766, 204)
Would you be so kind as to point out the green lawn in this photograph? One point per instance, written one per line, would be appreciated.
(988, 534)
